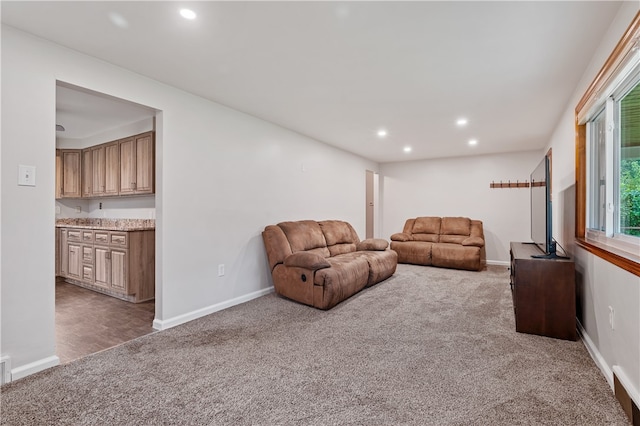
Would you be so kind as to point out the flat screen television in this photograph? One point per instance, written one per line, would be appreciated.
(541, 219)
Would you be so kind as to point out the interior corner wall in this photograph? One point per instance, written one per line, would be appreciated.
(599, 284)
(460, 187)
(221, 177)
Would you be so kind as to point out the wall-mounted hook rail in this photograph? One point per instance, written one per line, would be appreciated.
(509, 184)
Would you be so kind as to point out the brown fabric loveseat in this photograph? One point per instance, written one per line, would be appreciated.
(448, 242)
(323, 263)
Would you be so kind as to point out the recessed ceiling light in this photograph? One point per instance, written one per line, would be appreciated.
(407, 149)
(188, 14)
(382, 133)
(473, 142)
(461, 122)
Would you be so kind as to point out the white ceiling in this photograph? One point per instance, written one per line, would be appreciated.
(85, 113)
(339, 71)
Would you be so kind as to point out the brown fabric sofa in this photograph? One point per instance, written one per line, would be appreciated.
(323, 263)
(448, 242)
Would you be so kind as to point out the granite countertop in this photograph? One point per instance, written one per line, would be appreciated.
(108, 224)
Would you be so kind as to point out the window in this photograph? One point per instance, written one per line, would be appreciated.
(608, 158)
(597, 169)
(629, 164)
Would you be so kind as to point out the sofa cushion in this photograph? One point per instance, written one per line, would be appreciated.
(416, 252)
(408, 226)
(476, 229)
(456, 226)
(453, 239)
(340, 236)
(305, 235)
(430, 238)
(347, 275)
(401, 236)
(276, 244)
(473, 241)
(382, 264)
(426, 225)
(456, 256)
(307, 260)
(375, 244)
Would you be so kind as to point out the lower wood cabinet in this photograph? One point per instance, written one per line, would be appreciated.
(117, 263)
(74, 257)
(543, 290)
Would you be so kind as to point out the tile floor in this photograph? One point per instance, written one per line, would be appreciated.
(89, 322)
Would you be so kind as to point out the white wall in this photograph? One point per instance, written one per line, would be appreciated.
(600, 284)
(460, 187)
(130, 207)
(221, 177)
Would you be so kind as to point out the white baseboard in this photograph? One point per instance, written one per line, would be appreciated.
(595, 354)
(606, 370)
(499, 263)
(34, 367)
(190, 316)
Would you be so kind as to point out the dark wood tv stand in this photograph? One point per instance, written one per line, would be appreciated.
(544, 294)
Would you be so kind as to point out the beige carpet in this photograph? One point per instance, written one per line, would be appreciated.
(428, 346)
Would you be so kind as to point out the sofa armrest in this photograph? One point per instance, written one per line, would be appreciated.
(401, 236)
(473, 241)
(303, 259)
(376, 244)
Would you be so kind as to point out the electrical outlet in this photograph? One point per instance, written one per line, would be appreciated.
(221, 270)
(78, 209)
(611, 318)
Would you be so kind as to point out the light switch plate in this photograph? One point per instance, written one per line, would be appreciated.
(26, 175)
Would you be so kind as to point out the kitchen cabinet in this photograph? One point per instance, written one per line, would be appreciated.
(74, 269)
(121, 167)
(105, 175)
(137, 164)
(69, 173)
(63, 254)
(87, 173)
(112, 168)
(117, 263)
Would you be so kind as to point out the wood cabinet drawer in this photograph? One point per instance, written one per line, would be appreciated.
(74, 235)
(118, 239)
(87, 236)
(87, 254)
(87, 273)
(101, 237)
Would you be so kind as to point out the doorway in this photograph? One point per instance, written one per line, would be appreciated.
(371, 202)
(90, 316)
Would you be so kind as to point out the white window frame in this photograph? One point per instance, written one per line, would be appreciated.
(627, 78)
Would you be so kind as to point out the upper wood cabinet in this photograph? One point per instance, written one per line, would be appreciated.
(122, 167)
(136, 164)
(68, 173)
(87, 172)
(111, 168)
(105, 176)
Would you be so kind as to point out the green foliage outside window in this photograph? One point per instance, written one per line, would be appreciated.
(630, 162)
(630, 196)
